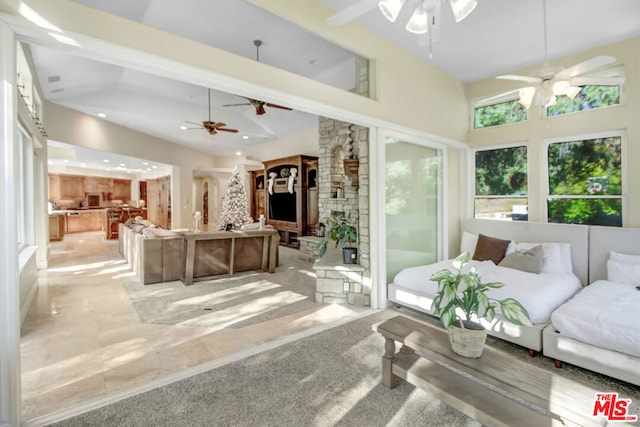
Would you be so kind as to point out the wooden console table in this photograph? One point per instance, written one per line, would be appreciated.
(495, 389)
(208, 254)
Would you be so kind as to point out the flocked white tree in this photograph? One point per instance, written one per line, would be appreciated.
(235, 205)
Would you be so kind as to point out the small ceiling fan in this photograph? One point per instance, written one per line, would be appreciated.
(549, 83)
(211, 126)
(256, 103)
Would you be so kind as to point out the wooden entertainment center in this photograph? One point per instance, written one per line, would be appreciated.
(286, 193)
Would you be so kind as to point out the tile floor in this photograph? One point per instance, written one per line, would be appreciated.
(82, 339)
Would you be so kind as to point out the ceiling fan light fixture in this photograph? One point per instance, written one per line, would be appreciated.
(560, 87)
(390, 8)
(526, 95)
(419, 22)
(462, 8)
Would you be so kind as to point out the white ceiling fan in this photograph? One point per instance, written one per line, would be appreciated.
(419, 21)
(549, 84)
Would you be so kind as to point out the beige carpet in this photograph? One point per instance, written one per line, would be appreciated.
(229, 302)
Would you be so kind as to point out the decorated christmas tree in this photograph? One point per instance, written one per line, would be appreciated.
(235, 206)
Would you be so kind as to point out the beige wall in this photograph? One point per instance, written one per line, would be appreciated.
(71, 127)
(537, 128)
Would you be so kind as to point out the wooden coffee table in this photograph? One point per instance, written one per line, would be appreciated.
(495, 389)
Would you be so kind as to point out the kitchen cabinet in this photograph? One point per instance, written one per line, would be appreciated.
(74, 222)
(54, 187)
(56, 227)
(122, 190)
(92, 220)
(71, 187)
(85, 220)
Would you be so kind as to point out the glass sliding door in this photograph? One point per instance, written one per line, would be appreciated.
(413, 205)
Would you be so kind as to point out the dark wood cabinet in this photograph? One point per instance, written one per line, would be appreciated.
(257, 194)
(290, 195)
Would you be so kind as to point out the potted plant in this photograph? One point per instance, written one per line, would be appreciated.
(464, 293)
(344, 234)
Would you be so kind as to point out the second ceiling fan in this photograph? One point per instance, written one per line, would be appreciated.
(256, 103)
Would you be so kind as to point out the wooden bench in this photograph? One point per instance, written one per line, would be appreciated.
(495, 389)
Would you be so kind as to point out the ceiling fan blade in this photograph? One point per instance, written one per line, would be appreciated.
(236, 105)
(352, 12)
(278, 106)
(528, 79)
(212, 131)
(596, 81)
(227, 130)
(584, 67)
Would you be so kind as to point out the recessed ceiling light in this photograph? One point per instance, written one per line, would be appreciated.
(238, 153)
(154, 166)
(183, 128)
(122, 164)
(145, 163)
(102, 115)
(106, 160)
(245, 137)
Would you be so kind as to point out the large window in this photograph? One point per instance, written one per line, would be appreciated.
(501, 183)
(585, 181)
(588, 98)
(498, 114)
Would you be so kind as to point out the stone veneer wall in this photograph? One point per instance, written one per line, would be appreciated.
(354, 141)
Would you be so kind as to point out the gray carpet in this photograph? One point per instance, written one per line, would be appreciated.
(328, 379)
(229, 302)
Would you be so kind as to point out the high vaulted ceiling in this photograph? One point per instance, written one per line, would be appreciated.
(498, 37)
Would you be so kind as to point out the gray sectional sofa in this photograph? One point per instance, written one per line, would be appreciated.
(155, 255)
(158, 255)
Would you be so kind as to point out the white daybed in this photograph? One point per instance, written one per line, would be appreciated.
(609, 342)
(412, 287)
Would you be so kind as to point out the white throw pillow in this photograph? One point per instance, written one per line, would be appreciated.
(624, 258)
(623, 273)
(556, 256)
(468, 242)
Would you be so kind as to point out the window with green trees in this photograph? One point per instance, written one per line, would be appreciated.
(498, 114)
(585, 181)
(501, 183)
(590, 97)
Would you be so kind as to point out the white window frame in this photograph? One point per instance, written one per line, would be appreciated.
(492, 100)
(471, 184)
(581, 137)
(622, 100)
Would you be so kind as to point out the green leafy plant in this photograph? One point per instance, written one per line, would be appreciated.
(341, 231)
(466, 292)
